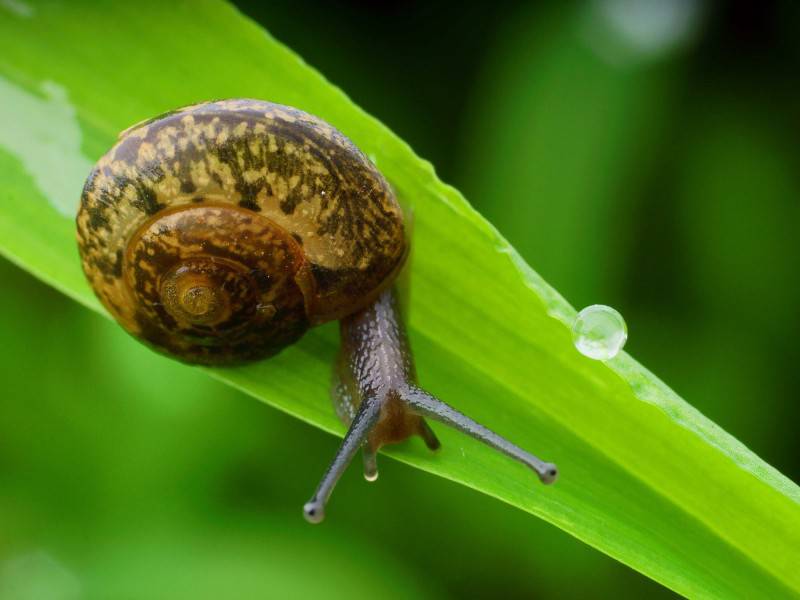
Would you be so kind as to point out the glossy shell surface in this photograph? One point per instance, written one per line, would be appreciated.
(273, 205)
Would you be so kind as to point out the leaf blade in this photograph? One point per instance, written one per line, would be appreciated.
(483, 324)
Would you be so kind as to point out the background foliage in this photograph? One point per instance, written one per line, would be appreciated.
(666, 176)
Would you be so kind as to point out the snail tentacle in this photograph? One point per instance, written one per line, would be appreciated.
(360, 428)
(428, 436)
(375, 390)
(370, 463)
(424, 404)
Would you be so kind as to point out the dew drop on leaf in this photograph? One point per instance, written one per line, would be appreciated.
(599, 332)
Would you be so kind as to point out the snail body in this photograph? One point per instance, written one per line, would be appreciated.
(220, 232)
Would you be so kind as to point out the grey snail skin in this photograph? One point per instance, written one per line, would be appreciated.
(219, 233)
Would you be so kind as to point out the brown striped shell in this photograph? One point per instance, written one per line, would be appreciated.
(218, 233)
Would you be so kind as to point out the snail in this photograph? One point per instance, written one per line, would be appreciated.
(220, 232)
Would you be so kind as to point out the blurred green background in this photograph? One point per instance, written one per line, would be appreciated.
(638, 154)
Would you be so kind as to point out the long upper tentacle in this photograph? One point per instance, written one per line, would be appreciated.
(427, 405)
(362, 424)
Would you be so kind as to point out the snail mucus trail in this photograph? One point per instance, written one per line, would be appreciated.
(220, 232)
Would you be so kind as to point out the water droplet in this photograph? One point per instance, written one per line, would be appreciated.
(599, 332)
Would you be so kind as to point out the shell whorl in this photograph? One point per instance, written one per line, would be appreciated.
(221, 231)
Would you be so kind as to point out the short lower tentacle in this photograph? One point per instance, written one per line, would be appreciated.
(370, 463)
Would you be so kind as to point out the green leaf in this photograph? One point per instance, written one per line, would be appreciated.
(644, 476)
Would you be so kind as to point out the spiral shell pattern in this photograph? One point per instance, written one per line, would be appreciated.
(220, 232)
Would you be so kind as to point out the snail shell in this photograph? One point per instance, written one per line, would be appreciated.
(220, 232)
